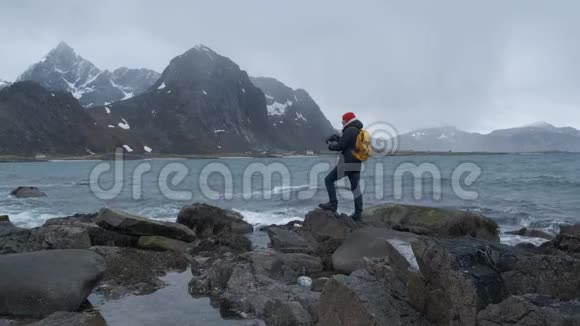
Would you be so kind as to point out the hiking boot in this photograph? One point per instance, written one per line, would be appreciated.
(333, 207)
(357, 216)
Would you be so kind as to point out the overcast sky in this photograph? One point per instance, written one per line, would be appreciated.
(477, 65)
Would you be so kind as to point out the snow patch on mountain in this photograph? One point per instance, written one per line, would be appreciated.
(277, 108)
(124, 124)
(299, 116)
(64, 70)
(4, 83)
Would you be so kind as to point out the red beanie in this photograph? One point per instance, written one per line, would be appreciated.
(348, 116)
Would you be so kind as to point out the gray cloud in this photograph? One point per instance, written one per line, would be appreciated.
(477, 65)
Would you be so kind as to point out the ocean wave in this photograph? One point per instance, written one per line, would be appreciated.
(269, 217)
(31, 219)
(514, 240)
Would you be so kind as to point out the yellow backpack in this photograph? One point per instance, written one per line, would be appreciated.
(363, 146)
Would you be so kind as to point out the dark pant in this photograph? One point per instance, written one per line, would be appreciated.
(353, 177)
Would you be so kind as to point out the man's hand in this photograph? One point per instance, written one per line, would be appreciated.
(332, 139)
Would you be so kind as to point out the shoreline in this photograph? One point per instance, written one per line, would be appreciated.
(216, 156)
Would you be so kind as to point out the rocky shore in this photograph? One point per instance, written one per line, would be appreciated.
(403, 265)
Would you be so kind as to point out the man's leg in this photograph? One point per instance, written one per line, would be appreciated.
(329, 181)
(354, 178)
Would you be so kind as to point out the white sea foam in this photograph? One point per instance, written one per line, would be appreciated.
(513, 240)
(268, 217)
(30, 219)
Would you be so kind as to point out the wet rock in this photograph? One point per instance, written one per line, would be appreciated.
(372, 242)
(41, 283)
(286, 239)
(126, 223)
(285, 267)
(572, 230)
(98, 235)
(222, 243)
(433, 221)
(324, 232)
(530, 310)
(464, 275)
(358, 299)
(283, 313)
(135, 271)
(532, 233)
(27, 192)
(319, 284)
(162, 243)
(568, 241)
(206, 220)
(60, 318)
(252, 284)
(15, 241)
(59, 237)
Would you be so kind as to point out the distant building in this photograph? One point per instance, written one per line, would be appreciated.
(309, 152)
(39, 157)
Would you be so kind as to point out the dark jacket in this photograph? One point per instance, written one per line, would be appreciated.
(346, 144)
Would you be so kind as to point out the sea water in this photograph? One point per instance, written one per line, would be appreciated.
(517, 190)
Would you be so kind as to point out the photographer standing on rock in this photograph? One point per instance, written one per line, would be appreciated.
(354, 145)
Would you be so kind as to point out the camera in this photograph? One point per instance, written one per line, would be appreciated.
(332, 138)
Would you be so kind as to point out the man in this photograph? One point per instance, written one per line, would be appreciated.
(348, 165)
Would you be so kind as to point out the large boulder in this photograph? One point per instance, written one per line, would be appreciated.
(74, 232)
(98, 235)
(60, 318)
(27, 192)
(325, 232)
(206, 220)
(59, 237)
(433, 221)
(361, 299)
(572, 230)
(40, 283)
(528, 310)
(288, 239)
(356, 300)
(372, 242)
(12, 238)
(126, 223)
(568, 241)
(135, 271)
(465, 275)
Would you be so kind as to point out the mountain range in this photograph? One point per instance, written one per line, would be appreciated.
(535, 137)
(64, 70)
(201, 103)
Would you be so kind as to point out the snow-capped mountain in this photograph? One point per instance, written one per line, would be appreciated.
(4, 83)
(64, 70)
(439, 139)
(204, 103)
(535, 137)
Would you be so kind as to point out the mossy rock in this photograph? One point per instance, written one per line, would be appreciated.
(4, 218)
(433, 220)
